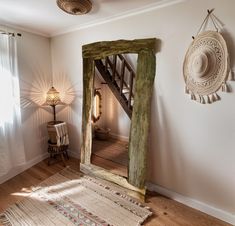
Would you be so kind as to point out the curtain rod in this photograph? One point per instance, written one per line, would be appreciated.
(10, 33)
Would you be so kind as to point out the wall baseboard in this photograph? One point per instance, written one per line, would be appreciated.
(210, 210)
(19, 169)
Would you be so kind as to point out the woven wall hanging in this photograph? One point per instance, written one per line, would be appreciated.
(206, 64)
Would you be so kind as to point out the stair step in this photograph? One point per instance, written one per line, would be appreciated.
(127, 96)
(118, 82)
(125, 90)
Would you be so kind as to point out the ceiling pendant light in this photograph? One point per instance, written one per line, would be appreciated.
(75, 7)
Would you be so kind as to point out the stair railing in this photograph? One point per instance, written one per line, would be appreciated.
(116, 74)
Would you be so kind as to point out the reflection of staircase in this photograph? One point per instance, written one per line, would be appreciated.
(119, 76)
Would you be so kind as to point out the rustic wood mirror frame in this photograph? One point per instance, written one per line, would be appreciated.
(140, 121)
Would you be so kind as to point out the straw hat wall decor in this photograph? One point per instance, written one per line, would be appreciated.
(206, 65)
(75, 7)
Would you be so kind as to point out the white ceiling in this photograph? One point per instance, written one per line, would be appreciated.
(45, 18)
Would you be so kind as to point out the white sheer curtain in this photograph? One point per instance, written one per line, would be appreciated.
(11, 142)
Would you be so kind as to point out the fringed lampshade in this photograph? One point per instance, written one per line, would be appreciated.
(75, 7)
(53, 99)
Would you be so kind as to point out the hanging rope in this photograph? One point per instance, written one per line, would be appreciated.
(213, 18)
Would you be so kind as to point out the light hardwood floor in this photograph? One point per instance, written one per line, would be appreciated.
(111, 154)
(166, 211)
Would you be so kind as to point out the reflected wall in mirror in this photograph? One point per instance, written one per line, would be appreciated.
(111, 132)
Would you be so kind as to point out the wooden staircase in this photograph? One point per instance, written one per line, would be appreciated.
(120, 77)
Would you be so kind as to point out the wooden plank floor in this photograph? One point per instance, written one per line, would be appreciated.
(111, 149)
(111, 154)
(166, 211)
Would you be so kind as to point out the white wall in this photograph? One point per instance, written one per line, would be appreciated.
(115, 117)
(67, 76)
(191, 145)
(35, 75)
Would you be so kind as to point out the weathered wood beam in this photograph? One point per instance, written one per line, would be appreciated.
(88, 80)
(140, 121)
(100, 50)
(106, 175)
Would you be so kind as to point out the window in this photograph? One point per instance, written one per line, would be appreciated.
(9, 84)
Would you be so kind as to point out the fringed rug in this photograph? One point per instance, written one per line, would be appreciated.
(70, 198)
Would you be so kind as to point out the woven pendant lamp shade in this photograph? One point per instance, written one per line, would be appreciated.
(53, 97)
(75, 7)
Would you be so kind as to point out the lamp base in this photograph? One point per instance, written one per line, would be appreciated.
(54, 115)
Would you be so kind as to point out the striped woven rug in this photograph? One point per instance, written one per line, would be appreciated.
(70, 198)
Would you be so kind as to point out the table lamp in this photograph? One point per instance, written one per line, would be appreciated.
(53, 99)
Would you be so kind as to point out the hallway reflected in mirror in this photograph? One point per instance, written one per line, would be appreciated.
(110, 129)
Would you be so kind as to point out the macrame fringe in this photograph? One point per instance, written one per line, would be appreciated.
(216, 96)
(225, 87)
(202, 100)
(193, 97)
(186, 90)
(207, 99)
(230, 75)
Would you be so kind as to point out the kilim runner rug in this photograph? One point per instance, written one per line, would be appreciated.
(70, 198)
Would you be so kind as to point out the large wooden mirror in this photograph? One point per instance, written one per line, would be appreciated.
(140, 119)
